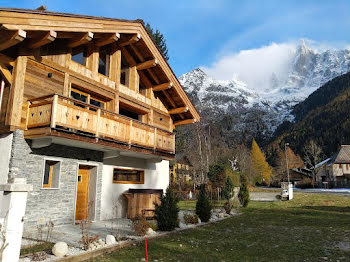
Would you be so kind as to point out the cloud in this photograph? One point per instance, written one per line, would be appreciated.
(255, 66)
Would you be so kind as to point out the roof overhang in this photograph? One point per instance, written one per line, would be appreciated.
(36, 27)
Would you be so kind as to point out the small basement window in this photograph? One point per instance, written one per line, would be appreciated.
(128, 176)
(51, 174)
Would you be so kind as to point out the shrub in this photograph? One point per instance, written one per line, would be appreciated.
(167, 212)
(243, 195)
(228, 188)
(203, 206)
(228, 207)
(190, 219)
(140, 225)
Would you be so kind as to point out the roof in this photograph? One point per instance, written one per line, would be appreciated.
(341, 157)
(28, 20)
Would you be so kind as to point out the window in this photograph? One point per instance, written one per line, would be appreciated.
(103, 62)
(51, 174)
(128, 113)
(128, 176)
(87, 98)
(79, 55)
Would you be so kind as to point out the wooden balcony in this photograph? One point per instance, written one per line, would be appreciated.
(65, 114)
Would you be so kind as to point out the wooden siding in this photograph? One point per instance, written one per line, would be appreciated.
(101, 123)
(38, 83)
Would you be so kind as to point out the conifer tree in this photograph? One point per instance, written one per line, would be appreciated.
(167, 212)
(159, 39)
(203, 206)
(243, 195)
(260, 168)
(228, 188)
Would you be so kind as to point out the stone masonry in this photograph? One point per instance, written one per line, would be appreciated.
(55, 204)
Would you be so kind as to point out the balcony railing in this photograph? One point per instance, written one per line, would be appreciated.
(64, 112)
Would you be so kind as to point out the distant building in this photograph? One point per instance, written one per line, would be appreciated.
(335, 170)
(180, 171)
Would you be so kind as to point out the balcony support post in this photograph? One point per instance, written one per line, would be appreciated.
(130, 132)
(155, 139)
(53, 111)
(98, 122)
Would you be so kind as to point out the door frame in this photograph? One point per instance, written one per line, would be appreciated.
(90, 181)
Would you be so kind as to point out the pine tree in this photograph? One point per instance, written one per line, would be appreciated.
(216, 175)
(167, 212)
(243, 195)
(203, 206)
(228, 188)
(260, 168)
(159, 39)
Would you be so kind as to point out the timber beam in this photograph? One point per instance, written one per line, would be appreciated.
(43, 40)
(162, 87)
(4, 59)
(14, 38)
(147, 64)
(131, 40)
(178, 110)
(184, 122)
(5, 73)
(111, 38)
(81, 40)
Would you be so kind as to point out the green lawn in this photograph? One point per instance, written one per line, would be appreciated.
(312, 227)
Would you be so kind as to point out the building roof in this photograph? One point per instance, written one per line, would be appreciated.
(341, 157)
(34, 22)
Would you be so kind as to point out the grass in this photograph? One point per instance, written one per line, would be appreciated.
(311, 227)
(45, 246)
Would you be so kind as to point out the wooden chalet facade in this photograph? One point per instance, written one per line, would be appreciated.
(87, 109)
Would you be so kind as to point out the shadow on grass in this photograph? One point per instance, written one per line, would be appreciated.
(328, 208)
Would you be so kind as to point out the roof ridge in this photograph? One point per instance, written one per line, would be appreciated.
(42, 12)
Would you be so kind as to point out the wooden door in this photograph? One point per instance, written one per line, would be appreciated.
(82, 194)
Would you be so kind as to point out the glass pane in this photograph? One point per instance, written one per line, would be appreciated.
(46, 174)
(78, 96)
(127, 175)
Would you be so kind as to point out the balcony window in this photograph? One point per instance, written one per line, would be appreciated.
(79, 55)
(51, 174)
(87, 98)
(128, 176)
(103, 62)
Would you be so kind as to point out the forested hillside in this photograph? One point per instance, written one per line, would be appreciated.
(323, 117)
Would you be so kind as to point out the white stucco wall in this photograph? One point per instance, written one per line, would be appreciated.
(112, 201)
(5, 153)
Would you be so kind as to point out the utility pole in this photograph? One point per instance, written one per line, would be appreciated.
(286, 154)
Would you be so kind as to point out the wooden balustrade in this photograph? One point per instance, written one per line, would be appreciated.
(64, 112)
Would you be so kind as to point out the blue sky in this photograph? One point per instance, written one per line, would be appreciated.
(201, 32)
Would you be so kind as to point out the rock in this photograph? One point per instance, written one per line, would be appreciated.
(143, 259)
(220, 215)
(110, 240)
(199, 221)
(182, 225)
(91, 246)
(150, 232)
(60, 249)
(101, 242)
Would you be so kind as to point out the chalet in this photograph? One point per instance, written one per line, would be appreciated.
(181, 170)
(88, 106)
(335, 170)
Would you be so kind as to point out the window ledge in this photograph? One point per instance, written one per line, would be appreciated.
(49, 188)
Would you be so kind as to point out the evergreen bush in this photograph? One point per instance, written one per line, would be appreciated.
(203, 206)
(228, 188)
(243, 195)
(167, 212)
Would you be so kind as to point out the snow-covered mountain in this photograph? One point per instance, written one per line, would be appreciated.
(307, 70)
